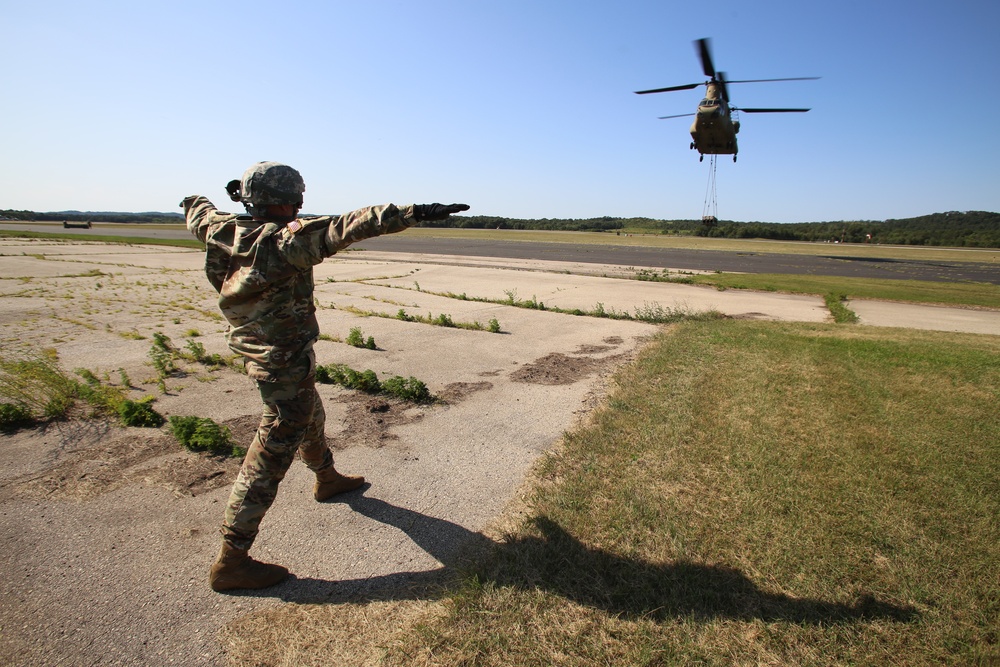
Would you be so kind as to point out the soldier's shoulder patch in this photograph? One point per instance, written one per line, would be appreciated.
(307, 224)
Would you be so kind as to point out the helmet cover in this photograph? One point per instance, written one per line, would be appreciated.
(267, 183)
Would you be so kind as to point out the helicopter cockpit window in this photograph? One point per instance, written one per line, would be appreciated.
(706, 102)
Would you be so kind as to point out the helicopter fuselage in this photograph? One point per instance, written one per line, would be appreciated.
(714, 130)
(716, 121)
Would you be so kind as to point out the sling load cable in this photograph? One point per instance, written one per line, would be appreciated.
(711, 208)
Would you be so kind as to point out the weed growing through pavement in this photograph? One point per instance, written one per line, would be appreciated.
(202, 434)
(165, 354)
(162, 354)
(440, 320)
(410, 389)
(652, 313)
(36, 389)
(841, 313)
(356, 339)
(196, 352)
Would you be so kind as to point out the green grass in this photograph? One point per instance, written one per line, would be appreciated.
(840, 312)
(728, 245)
(89, 238)
(984, 295)
(756, 493)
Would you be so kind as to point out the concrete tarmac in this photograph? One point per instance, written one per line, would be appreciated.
(108, 532)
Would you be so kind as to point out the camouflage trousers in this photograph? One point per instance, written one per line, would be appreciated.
(293, 420)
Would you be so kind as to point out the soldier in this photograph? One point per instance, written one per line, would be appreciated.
(261, 266)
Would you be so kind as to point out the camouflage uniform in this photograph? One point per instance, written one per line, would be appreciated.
(263, 273)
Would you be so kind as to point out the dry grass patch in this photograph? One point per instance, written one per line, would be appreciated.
(319, 635)
(751, 493)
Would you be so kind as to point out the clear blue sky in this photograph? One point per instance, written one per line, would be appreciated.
(518, 108)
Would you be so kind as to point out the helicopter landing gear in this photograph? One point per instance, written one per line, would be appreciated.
(701, 158)
(734, 158)
(692, 146)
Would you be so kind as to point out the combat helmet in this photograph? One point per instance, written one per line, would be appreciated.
(267, 183)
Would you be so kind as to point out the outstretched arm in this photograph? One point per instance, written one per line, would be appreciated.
(309, 241)
(200, 214)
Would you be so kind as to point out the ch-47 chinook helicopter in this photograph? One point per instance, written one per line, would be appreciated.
(716, 122)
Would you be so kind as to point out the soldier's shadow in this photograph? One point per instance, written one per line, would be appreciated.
(553, 560)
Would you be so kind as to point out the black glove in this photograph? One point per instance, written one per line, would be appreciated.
(436, 211)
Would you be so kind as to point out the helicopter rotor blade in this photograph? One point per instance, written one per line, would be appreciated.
(704, 48)
(687, 86)
(722, 86)
(741, 109)
(680, 115)
(794, 78)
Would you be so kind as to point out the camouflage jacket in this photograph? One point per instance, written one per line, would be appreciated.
(263, 274)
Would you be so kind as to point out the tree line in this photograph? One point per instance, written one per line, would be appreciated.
(971, 229)
(93, 216)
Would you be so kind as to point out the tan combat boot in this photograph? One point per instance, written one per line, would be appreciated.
(236, 569)
(329, 483)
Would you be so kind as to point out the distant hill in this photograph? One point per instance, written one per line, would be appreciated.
(971, 229)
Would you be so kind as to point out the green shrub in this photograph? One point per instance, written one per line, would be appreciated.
(443, 320)
(410, 389)
(357, 339)
(38, 384)
(494, 326)
(354, 338)
(140, 413)
(367, 381)
(196, 352)
(13, 416)
(162, 353)
(201, 434)
(40, 387)
(345, 376)
(323, 375)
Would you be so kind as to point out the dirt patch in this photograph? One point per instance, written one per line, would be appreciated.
(592, 349)
(91, 457)
(558, 368)
(369, 421)
(119, 457)
(456, 391)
